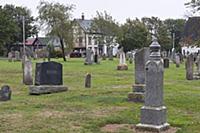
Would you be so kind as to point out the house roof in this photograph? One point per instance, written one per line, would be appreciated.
(192, 28)
(30, 41)
(86, 25)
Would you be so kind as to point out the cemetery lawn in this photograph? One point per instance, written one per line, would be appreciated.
(82, 110)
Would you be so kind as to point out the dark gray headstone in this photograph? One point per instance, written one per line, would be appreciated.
(48, 73)
(5, 93)
(88, 81)
(166, 62)
(110, 53)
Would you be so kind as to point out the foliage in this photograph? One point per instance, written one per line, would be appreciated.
(55, 17)
(104, 24)
(134, 35)
(11, 25)
(194, 5)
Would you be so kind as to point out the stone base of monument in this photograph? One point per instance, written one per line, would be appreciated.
(46, 89)
(87, 63)
(136, 97)
(122, 67)
(138, 93)
(153, 119)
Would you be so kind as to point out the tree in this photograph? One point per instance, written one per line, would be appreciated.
(15, 13)
(175, 26)
(134, 35)
(194, 5)
(104, 24)
(55, 17)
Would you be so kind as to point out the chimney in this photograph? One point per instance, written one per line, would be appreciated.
(82, 16)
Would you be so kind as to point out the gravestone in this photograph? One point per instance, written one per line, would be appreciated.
(153, 113)
(177, 60)
(5, 93)
(27, 73)
(166, 62)
(110, 53)
(198, 64)
(141, 57)
(10, 57)
(189, 67)
(122, 60)
(88, 81)
(48, 78)
(17, 56)
(131, 58)
(96, 59)
(89, 57)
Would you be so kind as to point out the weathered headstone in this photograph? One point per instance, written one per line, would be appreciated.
(17, 56)
(48, 78)
(5, 93)
(122, 60)
(89, 57)
(189, 67)
(110, 53)
(27, 73)
(141, 57)
(153, 113)
(10, 56)
(88, 81)
(166, 62)
(177, 60)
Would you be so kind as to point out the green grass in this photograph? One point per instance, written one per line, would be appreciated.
(82, 110)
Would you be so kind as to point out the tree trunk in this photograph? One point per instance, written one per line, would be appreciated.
(63, 50)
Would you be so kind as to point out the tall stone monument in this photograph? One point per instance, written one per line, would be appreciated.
(122, 60)
(141, 57)
(153, 113)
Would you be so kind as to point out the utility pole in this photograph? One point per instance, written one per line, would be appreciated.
(23, 23)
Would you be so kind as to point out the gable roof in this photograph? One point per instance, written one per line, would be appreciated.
(86, 25)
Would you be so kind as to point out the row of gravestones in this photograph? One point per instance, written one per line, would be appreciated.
(48, 77)
(14, 56)
(189, 65)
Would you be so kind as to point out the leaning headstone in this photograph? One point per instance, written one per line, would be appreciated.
(5, 93)
(10, 56)
(88, 81)
(48, 78)
(153, 113)
(166, 62)
(189, 67)
(177, 60)
(89, 57)
(17, 56)
(141, 57)
(27, 73)
(122, 61)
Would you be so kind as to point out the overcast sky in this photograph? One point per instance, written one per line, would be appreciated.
(119, 9)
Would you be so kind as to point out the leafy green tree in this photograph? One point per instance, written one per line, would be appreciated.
(55, 17)
(194, 5)
(104, 24)
(134, 35)
(15, 13)
(175, 26)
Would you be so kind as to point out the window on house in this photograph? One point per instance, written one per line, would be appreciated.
(89, 40)
(80, 41)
